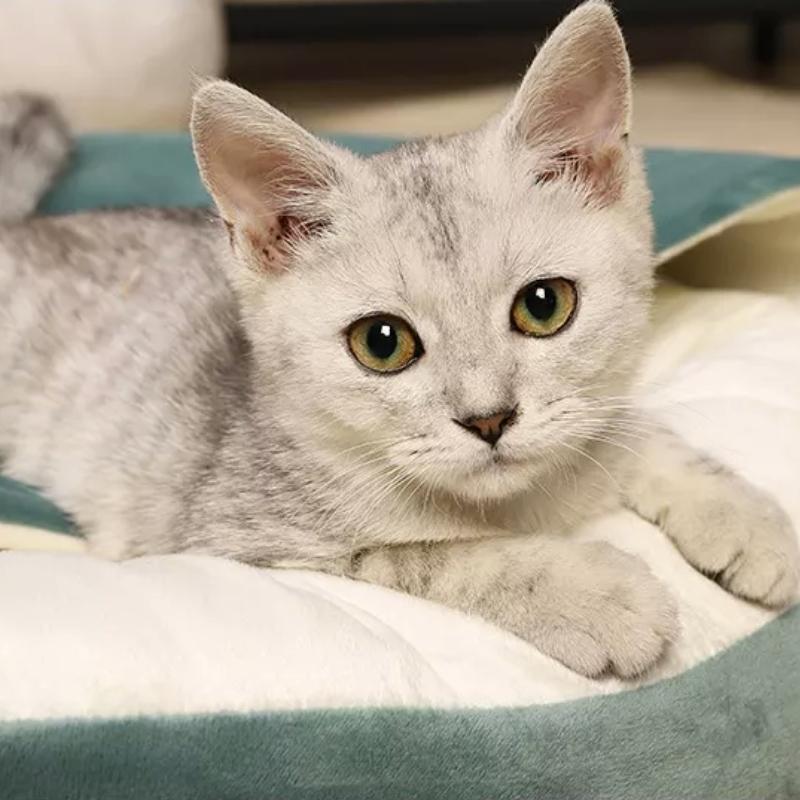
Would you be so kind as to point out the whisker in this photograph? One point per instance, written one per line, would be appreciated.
(594, 461)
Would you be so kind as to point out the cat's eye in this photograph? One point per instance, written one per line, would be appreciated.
(544, 307)
(383, 343)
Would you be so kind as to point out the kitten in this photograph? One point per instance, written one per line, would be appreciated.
(412, 369)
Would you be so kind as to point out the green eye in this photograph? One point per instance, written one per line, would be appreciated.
(544, 307)
(383, 343)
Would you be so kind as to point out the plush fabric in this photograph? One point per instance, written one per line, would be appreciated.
(22, 505)
(728, 729)
(193, 677)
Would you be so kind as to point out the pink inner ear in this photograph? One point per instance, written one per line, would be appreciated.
(585, 116)
(271, 241)
(597, 110)
(601, 170)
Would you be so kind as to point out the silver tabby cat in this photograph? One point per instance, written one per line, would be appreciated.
(413, 369)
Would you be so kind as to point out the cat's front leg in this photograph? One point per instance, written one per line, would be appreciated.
(724, 526)
(591, 606)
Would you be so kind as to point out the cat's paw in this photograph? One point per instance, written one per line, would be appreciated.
(593, 607)
(733, 532)
(602, 611)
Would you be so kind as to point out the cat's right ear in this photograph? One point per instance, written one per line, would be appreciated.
(268, 176)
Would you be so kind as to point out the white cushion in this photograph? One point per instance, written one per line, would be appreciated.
(112, 65)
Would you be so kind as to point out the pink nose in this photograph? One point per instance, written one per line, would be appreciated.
(489, 428)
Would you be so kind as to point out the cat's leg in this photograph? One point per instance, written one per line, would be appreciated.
(724, 526)
(591, 606)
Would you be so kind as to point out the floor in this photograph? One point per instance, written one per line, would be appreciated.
(694, 87)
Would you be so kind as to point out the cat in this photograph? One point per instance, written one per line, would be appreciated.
(413, 369)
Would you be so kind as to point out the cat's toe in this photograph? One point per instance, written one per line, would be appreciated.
(641, 621)
(741, 537)
(767, 570)
(621, 621)
(576, 649)
(637, 643)
(785, 590)
(710, 533)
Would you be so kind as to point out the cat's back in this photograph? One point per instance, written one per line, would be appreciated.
(104, 247)
(111, 324)
(67, 278)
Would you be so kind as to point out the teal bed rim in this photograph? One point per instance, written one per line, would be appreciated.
(728, 728)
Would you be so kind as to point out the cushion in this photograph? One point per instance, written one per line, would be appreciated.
(187, 676)
(112, 68)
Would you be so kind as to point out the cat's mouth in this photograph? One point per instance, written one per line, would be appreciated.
(499, 475)
(507, 460)
(485, 473)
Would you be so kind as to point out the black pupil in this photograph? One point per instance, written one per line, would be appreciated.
(382, 339)
(541, 301)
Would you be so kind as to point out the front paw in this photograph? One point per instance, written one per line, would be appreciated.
(737, 534)
(600, 610)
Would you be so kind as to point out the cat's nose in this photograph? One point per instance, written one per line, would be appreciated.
(489, 428)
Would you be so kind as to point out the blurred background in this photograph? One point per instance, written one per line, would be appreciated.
(709, 74)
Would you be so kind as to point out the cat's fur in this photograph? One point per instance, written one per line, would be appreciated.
(179, 386)
(34, 146)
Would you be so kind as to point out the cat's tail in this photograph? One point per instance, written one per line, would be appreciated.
(35, 144)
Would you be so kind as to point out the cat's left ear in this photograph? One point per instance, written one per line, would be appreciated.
(269, 177)
(574, 104)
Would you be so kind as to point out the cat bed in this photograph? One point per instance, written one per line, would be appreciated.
(187, 676)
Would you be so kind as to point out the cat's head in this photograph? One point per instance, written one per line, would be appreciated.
(466, 309)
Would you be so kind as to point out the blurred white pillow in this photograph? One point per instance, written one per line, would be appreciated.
(112, 65)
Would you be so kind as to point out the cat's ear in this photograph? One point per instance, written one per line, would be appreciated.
(574, 104)
(267, 175)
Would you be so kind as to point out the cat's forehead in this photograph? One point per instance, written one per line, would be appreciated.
(425, 164)
(427, 195)
(448, 222)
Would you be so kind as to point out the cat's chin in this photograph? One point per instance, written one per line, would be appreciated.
(495, 480)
